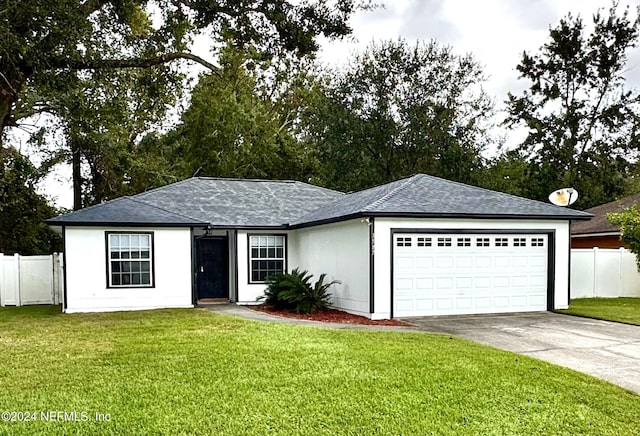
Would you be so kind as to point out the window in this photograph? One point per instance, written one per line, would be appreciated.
(519, 242)
(424, 242)
(444, 242)
(403, 242)
(266, 256)
(130, 260)
(464, 242)
(537, 242)
(482, 242)
(502, 242)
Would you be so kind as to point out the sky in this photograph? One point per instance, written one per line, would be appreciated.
(495, 32)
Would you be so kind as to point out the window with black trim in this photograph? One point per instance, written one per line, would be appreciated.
(502, 242)
(444, 242)
(424, 242)
(130, 260)
(267, 256)
(482, 242)
(464, 242)
(519, 242)
(537, 242)
(403, 242)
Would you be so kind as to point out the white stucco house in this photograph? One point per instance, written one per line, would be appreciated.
(415, 247)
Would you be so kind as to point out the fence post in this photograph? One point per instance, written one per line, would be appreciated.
(594, 292)
(2, 290)
(16, 275)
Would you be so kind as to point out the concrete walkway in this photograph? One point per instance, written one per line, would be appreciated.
(607, 350)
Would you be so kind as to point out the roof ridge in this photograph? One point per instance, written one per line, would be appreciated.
(179, 182)
(320, 187)
(237, 179)
(391, 193)
(137, 200)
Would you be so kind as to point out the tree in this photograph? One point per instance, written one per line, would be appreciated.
(46, 42)
(397, 110)
(22, 209)
(629, 222)
(506, 173)
(583, 122)
(241, 122)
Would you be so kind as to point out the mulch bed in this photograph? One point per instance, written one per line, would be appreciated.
(331, 315)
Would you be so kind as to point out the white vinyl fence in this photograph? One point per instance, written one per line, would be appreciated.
(28, 280)
(604, 272)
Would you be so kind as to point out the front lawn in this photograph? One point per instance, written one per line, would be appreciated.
(195, 372)
(625, 310)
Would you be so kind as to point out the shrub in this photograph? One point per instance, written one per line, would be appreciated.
(275, 286)
(294, 292)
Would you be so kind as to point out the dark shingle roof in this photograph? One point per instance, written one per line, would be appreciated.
(210, 201)
(424, 195)
(237, 203)
(124, 210)
(599, 223)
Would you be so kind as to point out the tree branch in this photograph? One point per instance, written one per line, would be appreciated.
(101, 64)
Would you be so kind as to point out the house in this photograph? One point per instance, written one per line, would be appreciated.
(599, 232)
(417, 246)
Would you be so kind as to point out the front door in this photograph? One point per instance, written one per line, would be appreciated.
(212, 267)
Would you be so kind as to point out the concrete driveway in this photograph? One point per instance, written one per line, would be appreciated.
(608, 350)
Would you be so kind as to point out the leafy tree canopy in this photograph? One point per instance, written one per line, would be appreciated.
(22, 209)
(629, 222)
(582, 120)
(399, 109)
(43, 42)
(242, 121)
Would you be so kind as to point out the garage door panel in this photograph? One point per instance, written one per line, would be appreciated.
(519, 261)
(483, 261)
(464, 303)
(464, 282)
(424, 263)
(444, 262)
(437, 274)
(482, 302)
(424, 284)
(483, 282)
(444, 304)
(464, 262)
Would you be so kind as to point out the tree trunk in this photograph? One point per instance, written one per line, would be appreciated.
(6, 101)
(77, 175)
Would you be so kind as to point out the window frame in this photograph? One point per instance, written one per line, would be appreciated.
(285, 258)
(108, 260)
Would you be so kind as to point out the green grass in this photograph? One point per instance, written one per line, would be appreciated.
(194, 372)
(625, 310)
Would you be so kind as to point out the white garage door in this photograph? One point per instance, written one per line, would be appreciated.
(449, 274)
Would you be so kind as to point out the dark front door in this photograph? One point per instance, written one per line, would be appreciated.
(212, 267)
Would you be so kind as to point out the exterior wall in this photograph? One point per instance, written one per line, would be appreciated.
(86, 271)
(340, 250)
(248, 293)
(597, 241)
(382, 262)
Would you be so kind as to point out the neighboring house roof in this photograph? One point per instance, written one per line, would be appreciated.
(125, 210)
(422, 195)
(600, 223)
(214, 201)
(236, 203)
